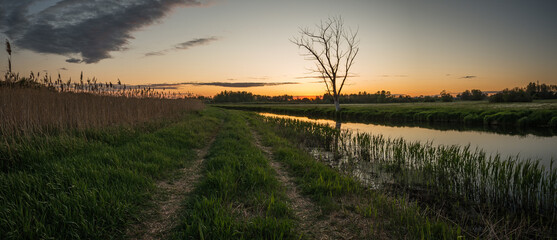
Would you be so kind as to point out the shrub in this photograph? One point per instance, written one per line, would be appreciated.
(540, 117)
(472, 119)
(474, 95)
(553, 122)
(513, 95)
(502, 118)
(523, 121)
(446, 97)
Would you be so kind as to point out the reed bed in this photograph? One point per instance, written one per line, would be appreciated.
(28, 106)
(513, 188)
(26, 111)
(90, 85)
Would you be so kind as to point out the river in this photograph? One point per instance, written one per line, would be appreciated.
(529, 146)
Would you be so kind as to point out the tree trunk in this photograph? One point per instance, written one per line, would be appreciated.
(337, 104)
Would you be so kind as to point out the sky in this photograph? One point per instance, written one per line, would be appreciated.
(207, 46)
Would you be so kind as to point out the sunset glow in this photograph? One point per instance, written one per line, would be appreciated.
(204, 47)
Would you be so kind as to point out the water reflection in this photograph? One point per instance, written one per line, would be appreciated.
(367, 172)
(499, 129)
(527, 146)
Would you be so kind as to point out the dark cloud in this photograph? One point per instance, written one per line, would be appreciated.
(63, 69)
(469, 76)
(218, 84)
(195, 42)
(89, 28)
(73, 60)
(164, 86)
(243, 84)
(183, 46)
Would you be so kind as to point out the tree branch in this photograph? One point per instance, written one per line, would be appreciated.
(332, 48)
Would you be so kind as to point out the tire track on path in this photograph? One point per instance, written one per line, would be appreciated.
(164, 217)
(312, 223)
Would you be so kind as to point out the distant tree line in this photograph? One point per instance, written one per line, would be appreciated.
(472, 95)
(243, 96)
(527, 94)
(530, 92)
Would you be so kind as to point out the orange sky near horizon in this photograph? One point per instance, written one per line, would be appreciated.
(406, 47)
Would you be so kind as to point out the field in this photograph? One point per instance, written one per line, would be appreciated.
(542, 113)
(216, 132)
(88, 166)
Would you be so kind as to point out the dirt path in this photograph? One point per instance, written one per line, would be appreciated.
(312, 222)
(163, 218)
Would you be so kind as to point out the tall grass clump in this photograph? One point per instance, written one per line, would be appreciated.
(515, 190)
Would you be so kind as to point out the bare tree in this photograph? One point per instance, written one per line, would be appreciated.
(333, 48)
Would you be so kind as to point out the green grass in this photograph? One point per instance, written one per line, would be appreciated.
(239, 197)
(91, 184)
(516, 191)
(330, 189)
(536, 114)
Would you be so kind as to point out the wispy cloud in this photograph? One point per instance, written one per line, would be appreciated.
(90, 28)
(161, 85)
(320, 77)
(259, 78)
(184, 46)
(159, 53)
(469, 76)
(195, 42)
(218, 84)
(243, 84)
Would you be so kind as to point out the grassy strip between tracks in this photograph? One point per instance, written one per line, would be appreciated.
(91, 184)
(239, 197)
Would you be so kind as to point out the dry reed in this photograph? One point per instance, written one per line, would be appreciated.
(32, 110)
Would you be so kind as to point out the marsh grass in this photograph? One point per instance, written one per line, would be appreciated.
(92, 184)
(39, 106)
(521, 192)
(391, 217)
(25, 111)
